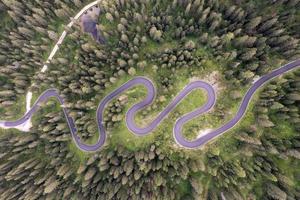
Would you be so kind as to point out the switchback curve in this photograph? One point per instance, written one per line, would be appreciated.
(211, 98)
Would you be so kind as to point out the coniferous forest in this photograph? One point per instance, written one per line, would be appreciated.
(229, 43)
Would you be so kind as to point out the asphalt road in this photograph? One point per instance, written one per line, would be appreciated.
(211, 99)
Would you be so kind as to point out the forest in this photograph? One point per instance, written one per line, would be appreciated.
(232, 42)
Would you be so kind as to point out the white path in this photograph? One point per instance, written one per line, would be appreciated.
(64, 33)
(27, 125)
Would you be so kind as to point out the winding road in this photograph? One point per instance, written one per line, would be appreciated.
(27, 126)
(131, 125)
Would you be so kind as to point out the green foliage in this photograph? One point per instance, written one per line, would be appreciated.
(170, 42)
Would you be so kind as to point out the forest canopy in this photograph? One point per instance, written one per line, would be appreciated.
(229, 43)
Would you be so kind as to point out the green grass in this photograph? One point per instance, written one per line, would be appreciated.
(122, 136)
(283, 129)
(9, 131)
(227, 142)
(288, 166)
(155, 47)
(80, 155)
(184, 189)
(6, 21)
(19, 108)
(109, 26)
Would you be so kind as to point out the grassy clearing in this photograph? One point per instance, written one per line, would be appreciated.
(80, 155)
(154, 47)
